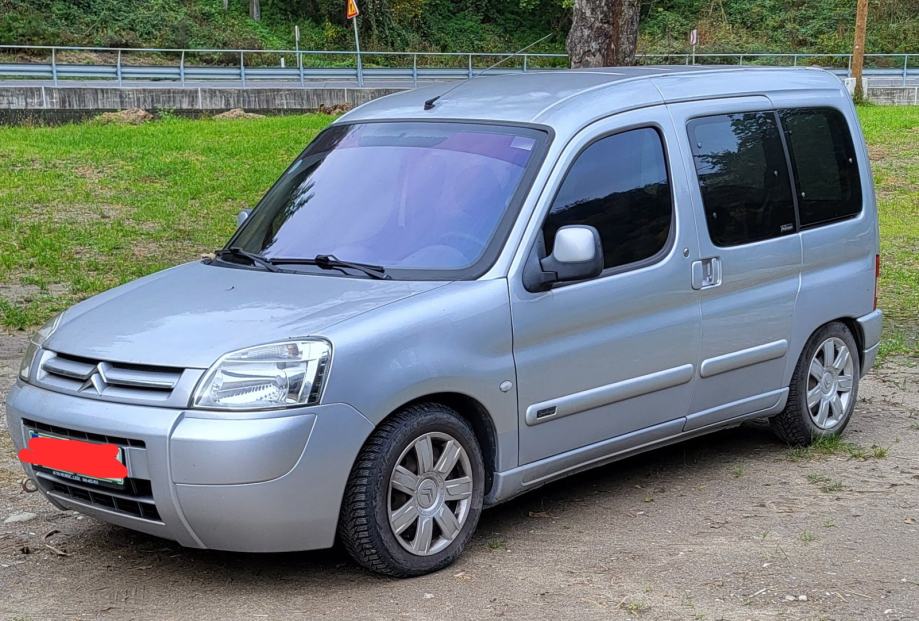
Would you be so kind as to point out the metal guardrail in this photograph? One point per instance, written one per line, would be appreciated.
(172, 65)
(339, 64)
(840, 64)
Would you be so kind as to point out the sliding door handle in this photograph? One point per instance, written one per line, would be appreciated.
(706, 273)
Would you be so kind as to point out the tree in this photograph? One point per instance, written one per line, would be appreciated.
(255, 10)
(858, 50)
(603, 33)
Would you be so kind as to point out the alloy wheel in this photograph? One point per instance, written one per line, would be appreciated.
(830, 379)
(429, 493)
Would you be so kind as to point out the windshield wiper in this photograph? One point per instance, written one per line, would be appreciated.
(253, 258)
(322, 261)
(331, 262)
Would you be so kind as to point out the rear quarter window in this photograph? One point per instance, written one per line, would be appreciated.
(824, 164)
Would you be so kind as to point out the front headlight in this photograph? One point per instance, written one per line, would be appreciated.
(276, 375)
(38, 339)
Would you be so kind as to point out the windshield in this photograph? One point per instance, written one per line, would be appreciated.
(404, 196)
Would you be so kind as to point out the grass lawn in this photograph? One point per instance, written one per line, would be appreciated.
(892, 133)
(85, 207)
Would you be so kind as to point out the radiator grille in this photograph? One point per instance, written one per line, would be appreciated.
(109, 380)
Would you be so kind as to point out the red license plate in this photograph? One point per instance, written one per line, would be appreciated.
(76, 459)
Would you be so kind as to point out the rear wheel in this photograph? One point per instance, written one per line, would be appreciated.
(823, 389)
(415, 494)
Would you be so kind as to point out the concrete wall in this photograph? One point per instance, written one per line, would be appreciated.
(74, 102)
(74, 98)
(894, 95)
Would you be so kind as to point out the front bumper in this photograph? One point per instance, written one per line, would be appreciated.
(266, 484)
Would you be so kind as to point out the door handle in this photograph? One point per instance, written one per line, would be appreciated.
(706, 273)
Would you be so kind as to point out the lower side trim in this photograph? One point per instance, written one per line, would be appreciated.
(766, 401)
(511, 483)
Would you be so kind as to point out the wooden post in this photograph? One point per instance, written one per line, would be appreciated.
(357, 53)
(858, 51)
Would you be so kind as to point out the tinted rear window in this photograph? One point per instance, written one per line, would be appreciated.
(743, 177)
(825, 168)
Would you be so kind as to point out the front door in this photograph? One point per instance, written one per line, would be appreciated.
(749, 266)
(615, 354)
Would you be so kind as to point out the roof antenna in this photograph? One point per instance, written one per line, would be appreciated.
(429, 104)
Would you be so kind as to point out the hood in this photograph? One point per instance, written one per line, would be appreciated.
(190, 315)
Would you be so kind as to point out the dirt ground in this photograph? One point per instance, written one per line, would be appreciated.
(730, 526)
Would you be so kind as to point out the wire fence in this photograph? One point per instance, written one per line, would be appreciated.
(248, 67)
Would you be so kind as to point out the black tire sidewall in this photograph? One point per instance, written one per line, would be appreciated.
(830, 330)
(434, 419)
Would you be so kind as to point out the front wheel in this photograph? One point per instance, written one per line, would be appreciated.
(415, 493)
(824, 388)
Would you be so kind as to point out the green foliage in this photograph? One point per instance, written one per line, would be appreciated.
(777, 25)
(154, 23)
(452, 25)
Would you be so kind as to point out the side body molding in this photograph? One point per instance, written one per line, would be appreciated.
(743, 358)
(605, 395)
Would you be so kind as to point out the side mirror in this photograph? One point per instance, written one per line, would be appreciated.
(242, 216)
(576, 255)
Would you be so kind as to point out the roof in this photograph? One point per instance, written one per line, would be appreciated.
(553, 97)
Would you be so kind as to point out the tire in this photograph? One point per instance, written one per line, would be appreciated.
(800, 424)
(373, 495)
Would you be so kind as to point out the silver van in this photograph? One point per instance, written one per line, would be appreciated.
(452, 298)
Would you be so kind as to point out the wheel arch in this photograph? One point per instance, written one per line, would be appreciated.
(856, 329)
(850, 323)
(478, 417)
(788, 424)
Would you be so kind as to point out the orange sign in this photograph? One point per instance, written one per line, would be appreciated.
(352, 10)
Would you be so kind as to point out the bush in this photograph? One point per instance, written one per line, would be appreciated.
(451, 25)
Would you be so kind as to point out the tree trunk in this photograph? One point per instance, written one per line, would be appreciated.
(226, 5)
(255, 10)
(603, 33)
(858, 50)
